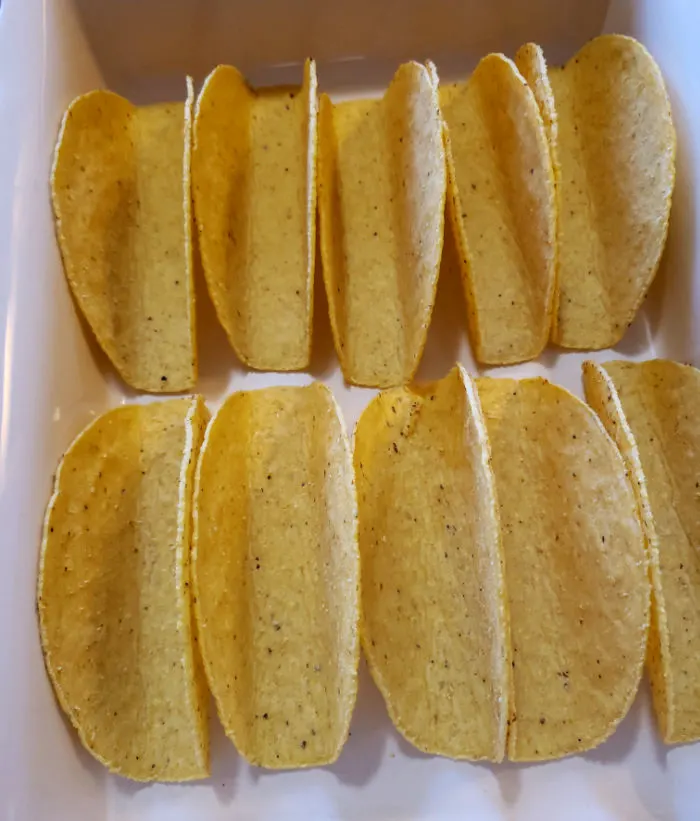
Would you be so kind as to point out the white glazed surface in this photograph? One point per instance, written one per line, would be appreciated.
(53, 380)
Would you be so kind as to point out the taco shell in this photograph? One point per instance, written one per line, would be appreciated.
(382, 185)
(114, 601)
(616, 148)
(254, 187)
(576, 568)
(502, 208)
(436, 632)
(120, 188)
(650, 409)
(277, 574)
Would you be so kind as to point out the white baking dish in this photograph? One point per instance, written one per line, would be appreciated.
(53, 379)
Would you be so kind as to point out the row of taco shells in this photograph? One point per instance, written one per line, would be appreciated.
(508, 548)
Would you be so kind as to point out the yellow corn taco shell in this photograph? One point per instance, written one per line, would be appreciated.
(114, 603)
(254, 185)
(120, 188)
(650, 409)
(576, 568)
(502, 208)
(382, 185)
(277, 574)
(616, 148)
(435, 629)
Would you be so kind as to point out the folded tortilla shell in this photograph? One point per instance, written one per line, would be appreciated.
(616, 148)
(115, 610)
(650, 409)
(120, 188)
(576, 568)
(502, 208)
(435, 631)
(382, 184)
(277, 574)
(254, 185)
